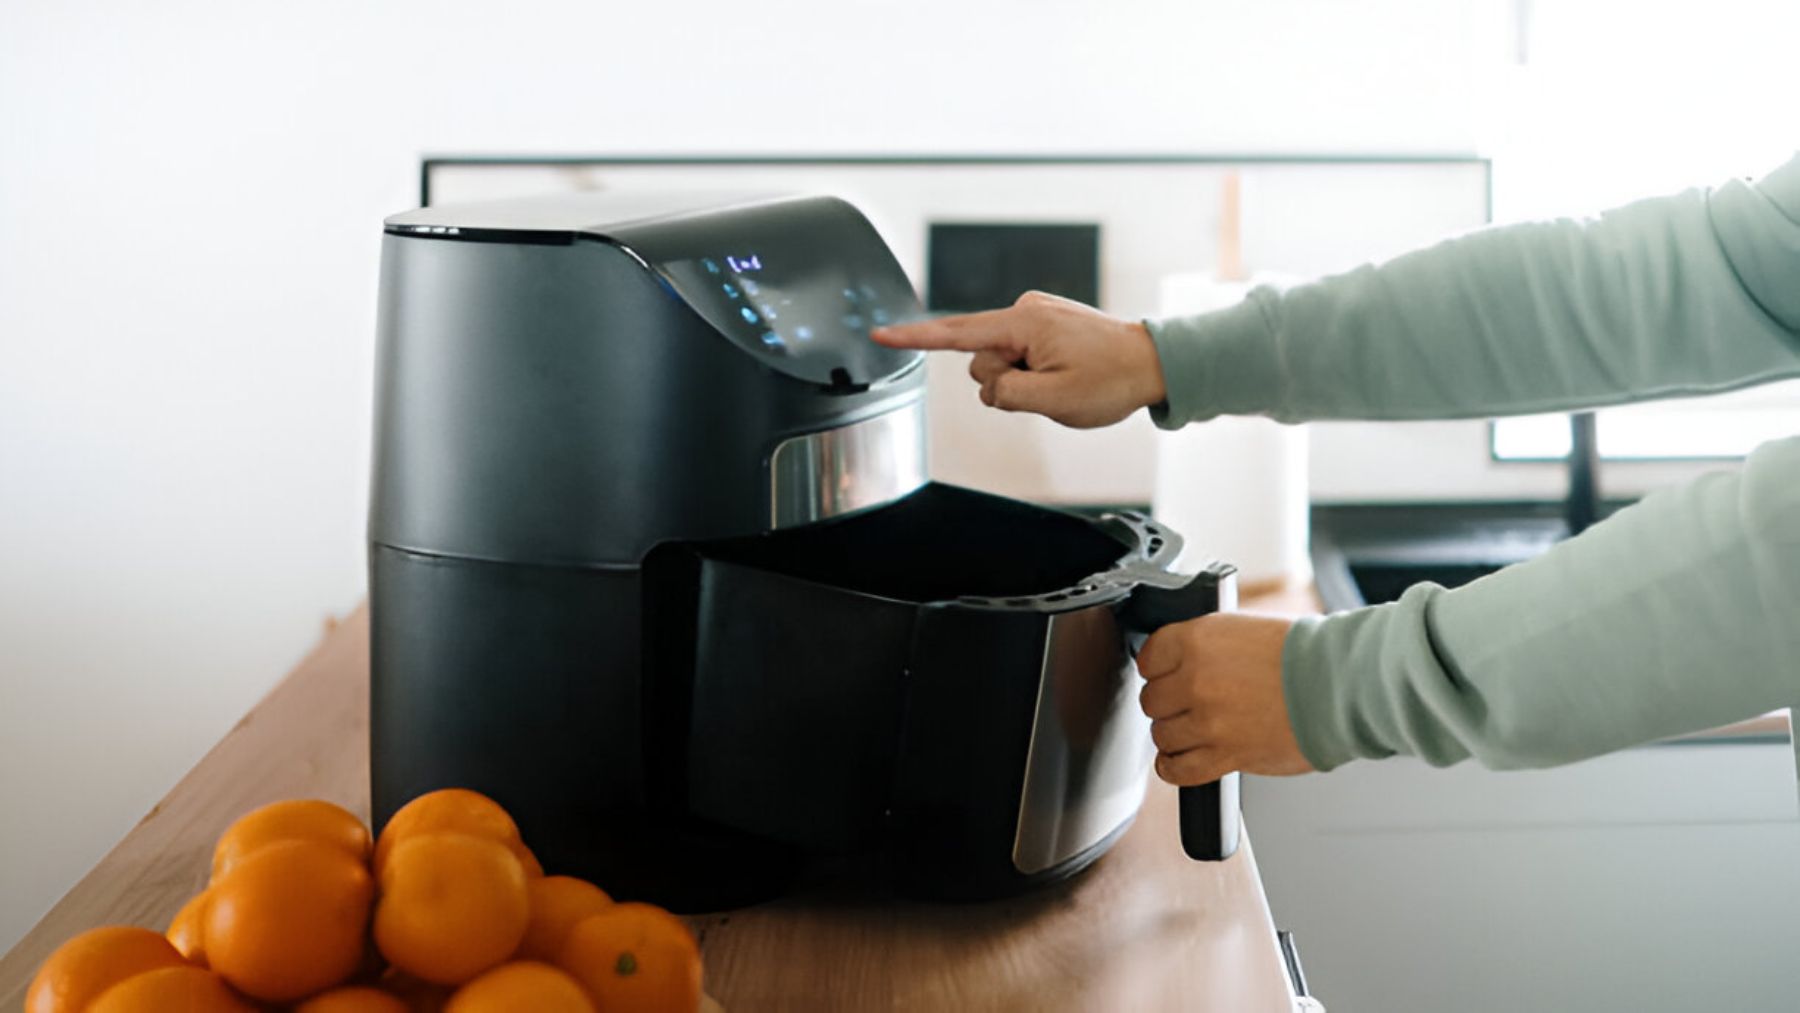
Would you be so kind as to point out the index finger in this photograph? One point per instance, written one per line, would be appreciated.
(990, 330)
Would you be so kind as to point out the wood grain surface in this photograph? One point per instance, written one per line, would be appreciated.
(1144, 929)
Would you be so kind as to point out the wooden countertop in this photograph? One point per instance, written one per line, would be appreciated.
(1143, 929)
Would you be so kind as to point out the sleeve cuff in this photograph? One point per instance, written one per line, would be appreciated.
(1369, 684)
(1219, 363)
(1305, 686)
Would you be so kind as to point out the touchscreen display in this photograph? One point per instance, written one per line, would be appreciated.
(798, 282)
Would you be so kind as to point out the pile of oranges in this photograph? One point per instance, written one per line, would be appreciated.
(448, 911)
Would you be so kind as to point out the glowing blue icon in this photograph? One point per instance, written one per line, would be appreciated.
(880, 316)
(804, 333)
(742, 264)
(768, 312)
(771, 339)
(751, 287)
(731, 290)
(711, 266)
(750, 315)
(850, 294)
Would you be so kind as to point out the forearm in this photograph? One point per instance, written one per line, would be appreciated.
(1674, 615)
(1684, 294)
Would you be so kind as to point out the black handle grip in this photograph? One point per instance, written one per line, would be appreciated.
(1150, 608)
(1211, 817)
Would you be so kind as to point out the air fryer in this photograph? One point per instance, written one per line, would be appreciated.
(654, 562)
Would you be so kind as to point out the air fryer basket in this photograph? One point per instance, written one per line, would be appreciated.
(873, 680)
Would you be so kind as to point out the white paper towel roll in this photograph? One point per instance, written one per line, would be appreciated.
(1235, 488)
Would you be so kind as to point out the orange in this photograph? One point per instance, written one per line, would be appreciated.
(452, 906)
(458, 810)
(307, 819)
(93, 962)
(187, 931)
(557, 903)
(533, 867)
(188, 989)
(636, 957)
(357, 999)
(523, 985)
(288, 920)
(373, 963)
(419, 996)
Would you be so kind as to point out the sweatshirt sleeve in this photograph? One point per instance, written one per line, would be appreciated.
(1692, 293)
(1675, 614)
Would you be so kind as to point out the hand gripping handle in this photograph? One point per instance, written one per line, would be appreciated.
(1211, 818)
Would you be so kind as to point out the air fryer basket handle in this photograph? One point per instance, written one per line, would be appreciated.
(1210, 813)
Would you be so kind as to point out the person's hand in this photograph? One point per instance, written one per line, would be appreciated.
(1048, 355)
(1213, 694)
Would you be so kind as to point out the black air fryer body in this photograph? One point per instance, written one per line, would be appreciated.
(654, 563)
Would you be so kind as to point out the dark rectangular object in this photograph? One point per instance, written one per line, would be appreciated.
(978, 266)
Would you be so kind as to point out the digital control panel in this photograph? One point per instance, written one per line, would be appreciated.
(799, 283)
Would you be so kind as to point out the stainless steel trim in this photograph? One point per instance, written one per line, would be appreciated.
(1089, 758)
(836, 471)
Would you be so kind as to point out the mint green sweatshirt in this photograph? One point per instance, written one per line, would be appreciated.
(1676, 614)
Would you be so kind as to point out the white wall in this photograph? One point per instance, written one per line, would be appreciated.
(190, 197)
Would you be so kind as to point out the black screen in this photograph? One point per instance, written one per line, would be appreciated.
(980, 266)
